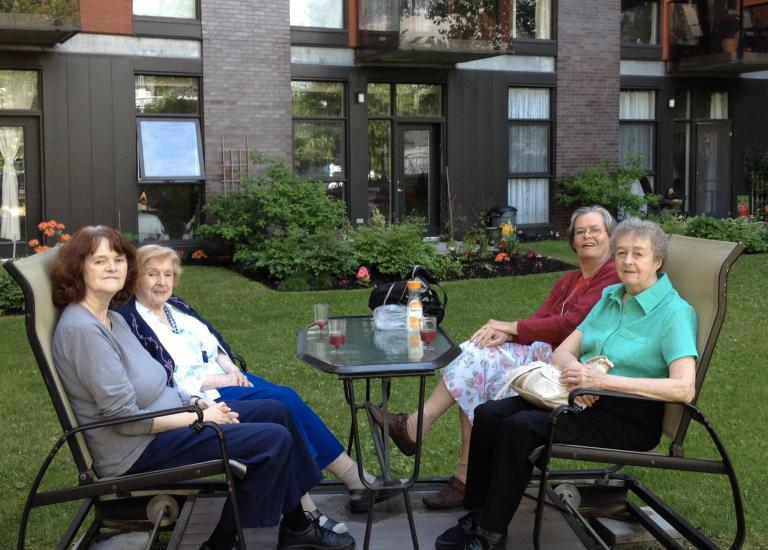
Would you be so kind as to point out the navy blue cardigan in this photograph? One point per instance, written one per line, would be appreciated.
(149, 339)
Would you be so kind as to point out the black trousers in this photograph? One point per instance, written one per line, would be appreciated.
(505, 432)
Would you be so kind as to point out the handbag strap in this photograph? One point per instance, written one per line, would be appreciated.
(421, 272)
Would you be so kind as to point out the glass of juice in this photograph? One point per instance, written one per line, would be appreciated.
(428, 331)
(337, 333)
(320, 315)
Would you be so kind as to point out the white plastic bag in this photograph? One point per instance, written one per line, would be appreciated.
(389, 317)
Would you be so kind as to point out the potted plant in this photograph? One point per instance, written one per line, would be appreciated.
(728, 26)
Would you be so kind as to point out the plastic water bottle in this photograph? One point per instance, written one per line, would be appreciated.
(415, 309)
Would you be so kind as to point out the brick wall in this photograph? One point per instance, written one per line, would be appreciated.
(246, 79)
(587, 112)
(107, 16)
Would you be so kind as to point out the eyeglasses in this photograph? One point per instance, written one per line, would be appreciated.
(593, 231)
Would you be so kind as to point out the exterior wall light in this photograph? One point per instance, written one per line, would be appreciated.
(360, 98)
(671, 103)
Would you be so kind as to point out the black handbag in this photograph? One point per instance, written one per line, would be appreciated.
(397, 293)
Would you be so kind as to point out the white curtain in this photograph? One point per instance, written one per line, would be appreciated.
(531, 198)
(528, 148)
(718, 107)
(528, 103)
(10, 142)
(543, 19)
(165, 8)
(636, 139)
(18, 89)
(637, 105)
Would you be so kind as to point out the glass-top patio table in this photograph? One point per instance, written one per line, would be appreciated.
(370, 354)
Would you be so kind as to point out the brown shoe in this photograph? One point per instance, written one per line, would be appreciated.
(450, 496)
(398, 428)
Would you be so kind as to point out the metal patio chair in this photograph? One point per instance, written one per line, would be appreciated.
(698, 269)
(145, 501)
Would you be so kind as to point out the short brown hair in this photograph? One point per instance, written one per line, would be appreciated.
(67, 268)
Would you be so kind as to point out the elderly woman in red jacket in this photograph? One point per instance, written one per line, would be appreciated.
(479, 373)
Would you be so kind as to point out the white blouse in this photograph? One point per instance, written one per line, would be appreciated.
(186, 349)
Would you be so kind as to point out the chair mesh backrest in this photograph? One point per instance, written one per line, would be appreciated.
(41, 317)
(698, 269)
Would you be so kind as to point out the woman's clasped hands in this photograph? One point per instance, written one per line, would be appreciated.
(218, 412)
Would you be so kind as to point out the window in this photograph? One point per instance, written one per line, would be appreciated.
(533, 19)
(319, 133)
(637, 129)
(419, 100)
(639, 22)
(170, 156)
(529, 157)
(18, 90)
(325, 14)
(183, 9)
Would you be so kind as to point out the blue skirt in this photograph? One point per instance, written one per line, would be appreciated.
(320, 441)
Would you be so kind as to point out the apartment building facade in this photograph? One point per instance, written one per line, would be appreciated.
(133, 112)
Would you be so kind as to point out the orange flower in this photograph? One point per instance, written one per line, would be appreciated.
(501, 257)
(60, 227)
(40, 249)
(42, 225)
(65, 237)
(33, 243)
(49, 232)
(199, 255)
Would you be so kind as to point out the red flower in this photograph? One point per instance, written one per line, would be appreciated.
(180, 253)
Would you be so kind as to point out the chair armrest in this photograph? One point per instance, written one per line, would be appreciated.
(574, 408)
(197, 425)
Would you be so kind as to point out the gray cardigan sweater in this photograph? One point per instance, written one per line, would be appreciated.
(108, 374)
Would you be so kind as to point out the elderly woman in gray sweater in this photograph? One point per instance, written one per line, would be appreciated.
(108, 374)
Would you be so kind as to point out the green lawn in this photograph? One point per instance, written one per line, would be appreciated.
(261, 324)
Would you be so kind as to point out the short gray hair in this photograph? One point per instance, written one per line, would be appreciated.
(647, 229)
(156, 251)
(608, 220)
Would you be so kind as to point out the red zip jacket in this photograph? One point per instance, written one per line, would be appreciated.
(564, 309)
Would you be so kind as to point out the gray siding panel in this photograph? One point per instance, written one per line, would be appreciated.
(55, 180)
(102, 144)
(124, 156)
(79, 121)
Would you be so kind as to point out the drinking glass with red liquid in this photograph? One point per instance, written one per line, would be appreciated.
(337, 329)
(320, 315)
(428, 331)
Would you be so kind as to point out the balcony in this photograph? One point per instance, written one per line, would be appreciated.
(38, 22)
(432, 32)
(707, 40)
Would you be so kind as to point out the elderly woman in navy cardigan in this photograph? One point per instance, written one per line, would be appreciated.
(182, 341)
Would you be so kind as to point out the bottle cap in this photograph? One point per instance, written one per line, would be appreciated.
(414, 284)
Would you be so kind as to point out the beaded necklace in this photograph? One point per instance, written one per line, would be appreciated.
(174, 327)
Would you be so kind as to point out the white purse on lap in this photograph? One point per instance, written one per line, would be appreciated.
(539, 382)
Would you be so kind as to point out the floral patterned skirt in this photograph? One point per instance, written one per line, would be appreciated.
(476, 375)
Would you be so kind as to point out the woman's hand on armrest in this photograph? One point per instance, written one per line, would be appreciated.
(212, 411)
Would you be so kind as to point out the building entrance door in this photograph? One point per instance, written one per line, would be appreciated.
(712, 180)
(20, 194)
(417, 182)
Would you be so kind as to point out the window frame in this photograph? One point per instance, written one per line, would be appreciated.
(549, 124)
(167, 18)
(344, 119)
(344, 21)
(653, 123)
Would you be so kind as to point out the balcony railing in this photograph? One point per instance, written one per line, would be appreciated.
(38, 22)
(433, 30)
(703, 38)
